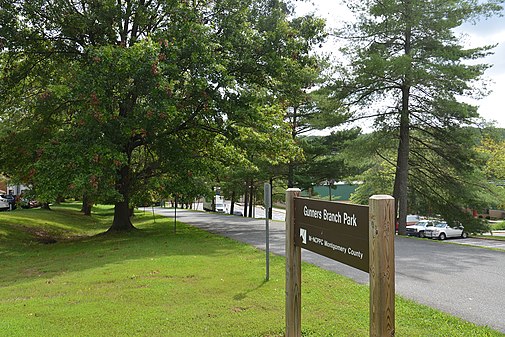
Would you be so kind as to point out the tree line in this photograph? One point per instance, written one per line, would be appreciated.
(130, 101)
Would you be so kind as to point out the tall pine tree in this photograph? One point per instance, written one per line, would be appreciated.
(408, 63)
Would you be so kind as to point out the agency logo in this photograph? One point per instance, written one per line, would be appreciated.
(303, 235)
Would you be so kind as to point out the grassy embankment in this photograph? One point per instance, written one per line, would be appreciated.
(60, 278)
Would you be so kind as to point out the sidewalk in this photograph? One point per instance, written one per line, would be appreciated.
(496, 233)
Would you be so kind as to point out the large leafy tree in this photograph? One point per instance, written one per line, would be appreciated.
(111, 94)
(265, 147)
(407, 62)
(492, 148)
(494, 151)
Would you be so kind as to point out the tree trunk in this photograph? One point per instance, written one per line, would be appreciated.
(251, 200)
(294, 134)
(246, 199)
(291, 175)
(122, 221)
(86, 205)
(86, 209)
(232, 203)
(402, 163)
(402, 172)
(122, 211)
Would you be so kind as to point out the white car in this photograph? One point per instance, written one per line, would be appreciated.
(413, 219)
(4, 203)
(218, 206)
(420, 228)
(221, 207)
(442, 231)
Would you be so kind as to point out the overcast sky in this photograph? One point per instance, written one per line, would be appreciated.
(485, 32)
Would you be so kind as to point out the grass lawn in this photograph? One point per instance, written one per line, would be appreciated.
(59, 277)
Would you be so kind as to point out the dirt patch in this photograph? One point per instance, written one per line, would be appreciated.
(40, 235)
(30, 272)
(239, 309)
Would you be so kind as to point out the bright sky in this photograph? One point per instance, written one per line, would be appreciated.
(485, 32)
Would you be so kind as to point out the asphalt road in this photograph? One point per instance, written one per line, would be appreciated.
(460, 279)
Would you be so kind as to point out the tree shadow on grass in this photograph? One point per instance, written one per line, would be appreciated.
(29, 253)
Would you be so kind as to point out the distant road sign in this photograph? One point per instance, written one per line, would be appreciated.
(267, 196)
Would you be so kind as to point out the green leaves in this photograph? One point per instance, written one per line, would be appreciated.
(413, 41)
(116, 97)
(494, 156)
(410, 71)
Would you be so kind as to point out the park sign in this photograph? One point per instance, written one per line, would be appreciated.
(360, 236)
(337, 230)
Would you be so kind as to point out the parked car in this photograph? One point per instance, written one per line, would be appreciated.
(420, 228)
(218, 206)
(412, 219)
(443, 230)
(4, 203)
(7, 202)
(28, 203)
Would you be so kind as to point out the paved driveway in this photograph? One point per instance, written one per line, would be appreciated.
(462, 280)
(477, 242)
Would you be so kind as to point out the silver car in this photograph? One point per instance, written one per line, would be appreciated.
(442, 231)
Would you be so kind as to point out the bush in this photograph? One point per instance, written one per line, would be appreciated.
(498, 226)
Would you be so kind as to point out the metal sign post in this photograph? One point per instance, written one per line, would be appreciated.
(175, 216)
(268, 204)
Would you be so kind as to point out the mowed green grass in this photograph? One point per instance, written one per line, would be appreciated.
(60, 277)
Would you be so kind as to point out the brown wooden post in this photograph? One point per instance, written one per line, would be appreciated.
(293, 270)
(382, 266)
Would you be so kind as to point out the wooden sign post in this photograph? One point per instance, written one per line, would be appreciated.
(293, 270)
(382, 266)
(267, 200)
(359, 236)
